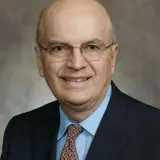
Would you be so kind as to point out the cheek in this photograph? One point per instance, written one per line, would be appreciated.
(102, 69)
(51, 69)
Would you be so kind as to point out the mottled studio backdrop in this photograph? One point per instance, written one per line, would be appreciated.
(137, 24)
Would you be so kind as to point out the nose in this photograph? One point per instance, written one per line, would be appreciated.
(76, 61)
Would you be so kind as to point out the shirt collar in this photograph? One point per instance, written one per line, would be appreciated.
(91, 123)
(64, 123)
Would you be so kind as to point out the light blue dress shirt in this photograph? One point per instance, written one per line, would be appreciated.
(90, 126)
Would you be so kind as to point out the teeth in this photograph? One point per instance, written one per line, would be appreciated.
(76, 80)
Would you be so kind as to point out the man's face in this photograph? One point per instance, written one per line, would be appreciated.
(77, 80)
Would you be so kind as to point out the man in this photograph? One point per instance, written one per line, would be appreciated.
(91, 119)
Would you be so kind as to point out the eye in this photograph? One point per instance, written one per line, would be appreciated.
(58, 49)
(92, 47)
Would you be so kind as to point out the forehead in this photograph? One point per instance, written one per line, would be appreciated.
(76, 26)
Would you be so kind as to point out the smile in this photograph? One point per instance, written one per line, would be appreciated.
(75, 79)
(80, 81)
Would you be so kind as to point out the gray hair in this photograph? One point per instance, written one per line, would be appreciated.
(41, 15)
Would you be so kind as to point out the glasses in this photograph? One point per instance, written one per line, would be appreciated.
(92, 51)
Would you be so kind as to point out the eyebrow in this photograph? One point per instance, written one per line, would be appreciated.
(96, 40)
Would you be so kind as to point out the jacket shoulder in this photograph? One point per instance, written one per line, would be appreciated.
(139, 106)
(28, 120)
(142, 116)
(20, 128)
(38, 113)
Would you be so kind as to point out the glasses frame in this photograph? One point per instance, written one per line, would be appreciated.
(47, 49)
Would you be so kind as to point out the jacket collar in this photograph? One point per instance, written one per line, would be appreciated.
(111, 135)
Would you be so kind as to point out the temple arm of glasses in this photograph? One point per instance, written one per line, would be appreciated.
(44, 48)
(110, 45)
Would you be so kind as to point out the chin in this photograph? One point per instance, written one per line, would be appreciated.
(76, 99)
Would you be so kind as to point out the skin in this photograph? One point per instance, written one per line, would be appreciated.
(75, 22)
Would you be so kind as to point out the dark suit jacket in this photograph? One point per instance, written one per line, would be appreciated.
(129, 130)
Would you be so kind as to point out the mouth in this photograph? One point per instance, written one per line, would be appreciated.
(76, 80)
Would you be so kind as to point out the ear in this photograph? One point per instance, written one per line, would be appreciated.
(39, 61)
(113, 57)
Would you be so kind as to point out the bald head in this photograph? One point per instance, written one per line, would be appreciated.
(75, 40)
(74, 14)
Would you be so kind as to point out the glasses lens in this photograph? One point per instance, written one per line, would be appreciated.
(93, 52)
(59, 52)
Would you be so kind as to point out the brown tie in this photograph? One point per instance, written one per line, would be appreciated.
(69, 151)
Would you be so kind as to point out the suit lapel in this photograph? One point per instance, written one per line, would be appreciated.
(45, 136)
(111, 135)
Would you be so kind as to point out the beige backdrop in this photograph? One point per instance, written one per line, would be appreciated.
(137, 24)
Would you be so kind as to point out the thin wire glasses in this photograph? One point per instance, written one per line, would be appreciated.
(92, 51)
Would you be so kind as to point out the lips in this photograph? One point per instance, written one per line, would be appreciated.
(77, 79)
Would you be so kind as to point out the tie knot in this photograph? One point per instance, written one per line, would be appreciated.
(74, 130)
